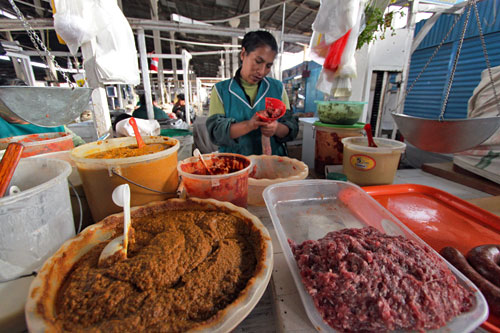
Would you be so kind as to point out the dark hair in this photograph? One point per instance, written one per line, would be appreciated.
(180, 97)
(258, 38)
(142, 99)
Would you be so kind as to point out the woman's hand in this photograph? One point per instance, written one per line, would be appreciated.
(243, 127)
(255, 122)
(269, 129)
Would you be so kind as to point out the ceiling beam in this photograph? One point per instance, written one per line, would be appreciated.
(293, 11)
(146, 24)
(271, 16)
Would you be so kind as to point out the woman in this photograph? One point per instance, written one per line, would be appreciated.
(233, 124)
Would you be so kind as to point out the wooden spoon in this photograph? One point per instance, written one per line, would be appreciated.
(368, 130)
(8, 164)
(138, 137)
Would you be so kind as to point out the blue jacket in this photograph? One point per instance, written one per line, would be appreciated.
(237, 108)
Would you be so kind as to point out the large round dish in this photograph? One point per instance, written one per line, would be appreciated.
(40, 306)
(272, 169)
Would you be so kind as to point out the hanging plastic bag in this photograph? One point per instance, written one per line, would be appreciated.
(103, 24)
(335, 18)
(335, 51)
(340, 66)
(74, 24)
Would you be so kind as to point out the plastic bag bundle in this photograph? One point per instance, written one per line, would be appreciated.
(147, 127)
(333, 44)
(81, 21)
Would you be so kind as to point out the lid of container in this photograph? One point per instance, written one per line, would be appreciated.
(356, 125)
(336, 176)
(175, 132)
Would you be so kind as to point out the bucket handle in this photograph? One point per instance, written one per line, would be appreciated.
(113, 171)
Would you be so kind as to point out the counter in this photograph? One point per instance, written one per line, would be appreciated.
(289, 313)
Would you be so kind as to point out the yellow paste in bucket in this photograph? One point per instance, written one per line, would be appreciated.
(103, 165)
(129, 151)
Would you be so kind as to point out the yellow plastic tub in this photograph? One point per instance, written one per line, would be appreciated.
(155, 175)
(365, 165)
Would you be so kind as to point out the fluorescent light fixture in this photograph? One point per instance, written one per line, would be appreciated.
(183, 19)
(7, 14)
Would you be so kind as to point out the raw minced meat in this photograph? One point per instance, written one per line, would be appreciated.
(364, 280)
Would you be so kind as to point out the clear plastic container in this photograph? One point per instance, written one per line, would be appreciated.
(34, 223)
(41, 143)
(156, 174)
(365, 165)
(339, 112)
(232, 187)
(309, 209)
(272, 169)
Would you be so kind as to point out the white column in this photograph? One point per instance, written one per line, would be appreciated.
(120, 96)
(198, 94)
(187, 92)
(145, 73)
(174, 61)
(102, 120)
(227, 66)
(235, 56)
(254, 17)
(158, 50)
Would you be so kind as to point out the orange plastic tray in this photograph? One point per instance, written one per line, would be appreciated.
(441, 219)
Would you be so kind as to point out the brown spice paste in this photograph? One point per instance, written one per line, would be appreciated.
(129, 151)
(183, 267)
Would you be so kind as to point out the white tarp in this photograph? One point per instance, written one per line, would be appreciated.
(484, 160)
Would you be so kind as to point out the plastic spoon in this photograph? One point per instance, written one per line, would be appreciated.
(138, 137)
(368, 130)
(117, 248)
(8, 164)
(197, 153)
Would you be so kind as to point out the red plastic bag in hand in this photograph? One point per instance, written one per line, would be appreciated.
(275, 109)
(332, 60)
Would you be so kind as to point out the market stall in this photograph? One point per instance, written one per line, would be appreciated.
(137, 230)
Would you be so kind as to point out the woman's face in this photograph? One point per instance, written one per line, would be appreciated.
(256, 64)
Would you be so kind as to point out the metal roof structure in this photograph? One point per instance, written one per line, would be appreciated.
(209, 29)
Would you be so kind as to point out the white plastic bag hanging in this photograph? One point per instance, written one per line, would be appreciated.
(340, 65)
(102, 23)
(335, 18)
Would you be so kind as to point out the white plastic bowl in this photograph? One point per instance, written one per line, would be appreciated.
(269, 170)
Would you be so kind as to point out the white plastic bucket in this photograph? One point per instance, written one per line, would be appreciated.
(365, 165)
(272, 169)
(34, 224)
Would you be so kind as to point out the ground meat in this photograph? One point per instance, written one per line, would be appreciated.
(364, 280)
(182, 269)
